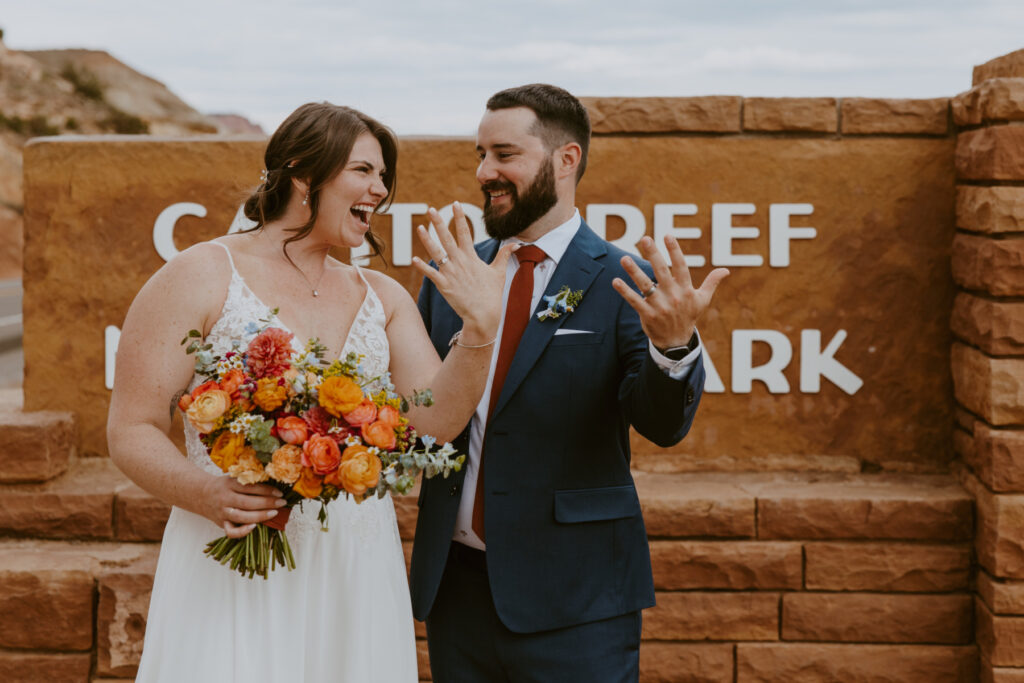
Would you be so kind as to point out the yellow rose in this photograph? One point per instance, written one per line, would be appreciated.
(206, 408)
(269, 395)
(286, 464)
(309, 484)
(227, 450)
(248, 469)
(359, 471)
(340, 395)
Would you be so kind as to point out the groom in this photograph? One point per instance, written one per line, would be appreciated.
(532, 564)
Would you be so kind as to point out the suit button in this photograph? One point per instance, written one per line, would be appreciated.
(690, 398)
(453, 490)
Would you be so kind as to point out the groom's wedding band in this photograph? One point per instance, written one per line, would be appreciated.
(444, 260)
(650, 290)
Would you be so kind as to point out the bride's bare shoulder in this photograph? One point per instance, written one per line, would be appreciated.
(390, 291)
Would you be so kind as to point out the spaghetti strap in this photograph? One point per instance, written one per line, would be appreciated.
(230, 259)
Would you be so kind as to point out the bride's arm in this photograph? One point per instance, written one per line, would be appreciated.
(152, 368)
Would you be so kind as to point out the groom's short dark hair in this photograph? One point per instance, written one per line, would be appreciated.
(561, 118)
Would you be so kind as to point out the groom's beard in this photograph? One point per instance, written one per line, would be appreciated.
(525, 210)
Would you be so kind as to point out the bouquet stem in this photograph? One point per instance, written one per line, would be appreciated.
(258, 552)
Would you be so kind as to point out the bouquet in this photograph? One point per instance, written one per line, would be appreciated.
(315, 430)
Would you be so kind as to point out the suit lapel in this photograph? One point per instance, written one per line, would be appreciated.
(577, 269)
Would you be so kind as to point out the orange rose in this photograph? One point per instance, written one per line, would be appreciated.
(359, 471)
(364, 413)
(309, 484)
(390, 416)
(286, 464)
(184, 402)
(293, 430)
(232, 381)
(203, 388)
(380, 434)
(227, 449)
(248, 469)
(339, 395)
(269, 395)
(322, 454)
(204, 410)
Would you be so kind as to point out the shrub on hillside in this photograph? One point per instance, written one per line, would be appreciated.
(85, 82)
(122, 122)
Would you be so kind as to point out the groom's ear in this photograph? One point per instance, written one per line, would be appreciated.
(567, 160)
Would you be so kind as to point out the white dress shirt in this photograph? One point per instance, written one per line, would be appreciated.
(554, 244)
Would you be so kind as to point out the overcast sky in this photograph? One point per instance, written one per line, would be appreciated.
(428, 67)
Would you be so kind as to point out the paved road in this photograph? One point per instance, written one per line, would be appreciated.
(12, 360)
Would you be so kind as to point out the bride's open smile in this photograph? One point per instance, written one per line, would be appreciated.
(348, 200)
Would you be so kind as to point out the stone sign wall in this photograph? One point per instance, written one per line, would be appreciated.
(829, 345)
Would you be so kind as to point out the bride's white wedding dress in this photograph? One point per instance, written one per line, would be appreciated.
(343, 614)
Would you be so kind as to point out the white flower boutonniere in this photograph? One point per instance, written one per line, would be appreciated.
(563, 302)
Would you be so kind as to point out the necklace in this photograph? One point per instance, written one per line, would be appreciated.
(314, 288)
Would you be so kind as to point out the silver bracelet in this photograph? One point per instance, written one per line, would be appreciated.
(455, 342)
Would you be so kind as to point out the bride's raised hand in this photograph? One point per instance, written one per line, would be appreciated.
(471, 287)
(237, 508)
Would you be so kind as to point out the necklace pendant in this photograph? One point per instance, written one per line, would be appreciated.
(316, 293)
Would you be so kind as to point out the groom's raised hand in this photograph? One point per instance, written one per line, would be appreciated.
(670, 309)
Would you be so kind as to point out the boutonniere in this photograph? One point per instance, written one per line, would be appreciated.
(564, 302)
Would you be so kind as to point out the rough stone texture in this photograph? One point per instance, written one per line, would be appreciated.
(990, 209)
(887, 567)
(20, 667)
(666, 463)
(713, 616)
(121, 619)
(1001, 639)
(691, 662)
(680, 506)
(992, 153)
(423, 660)
(965, 420)
(991, 387)
(997, 458)
(997, 327)
(882, 507)
(139, 516)
(999, 538)
(993, 265)
(990, 674)
(862, 115)
(797, 114)
(35, 446)
(877, 618)
(1001, 596)
(1010, 65)
(733, 565)
(888, 289)
(800, 663)
(46, 608)
(963, 445)
(407, 509)
(79, 504)
(998, 99)
(713, 114)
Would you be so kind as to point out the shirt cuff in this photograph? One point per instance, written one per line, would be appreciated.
(676, 369)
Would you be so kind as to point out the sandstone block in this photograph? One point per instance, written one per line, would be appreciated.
(1001, 639)
(713, 616)
(863, 116)
(139, 516)
(991, 387)
(79, 504)
(691, 662)
(733, 565)
(677, 505)
(713, 114)
(35, 446)
(965, 419)
(406, 509)
(997, 458)
(20, 667)
(996, 327)
(1001, 596)
(121, 621)
(46, 608)
(877, 618)
(992, 153)
(992, 265)
(990, 674)
(963, 445)
(797, 114)
(884, 507)
(806, 663)
(423, 660)
(1010, 65)
(990, 209)
(888, 567)
(999, 539)
(997, 99)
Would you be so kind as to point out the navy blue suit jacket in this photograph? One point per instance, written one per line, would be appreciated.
(566, 542)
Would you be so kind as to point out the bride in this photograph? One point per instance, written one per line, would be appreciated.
(343, 614)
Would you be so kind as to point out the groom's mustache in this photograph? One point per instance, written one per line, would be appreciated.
(497, 186)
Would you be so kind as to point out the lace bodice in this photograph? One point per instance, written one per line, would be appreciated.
(239, 320)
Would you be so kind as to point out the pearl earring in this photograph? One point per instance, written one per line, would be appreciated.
(306, 200)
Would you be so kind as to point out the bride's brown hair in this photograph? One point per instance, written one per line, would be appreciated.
(313, 144)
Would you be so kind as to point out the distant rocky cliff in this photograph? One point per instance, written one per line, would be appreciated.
(82, 92)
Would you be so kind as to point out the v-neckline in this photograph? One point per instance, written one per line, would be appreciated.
(296, 342)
